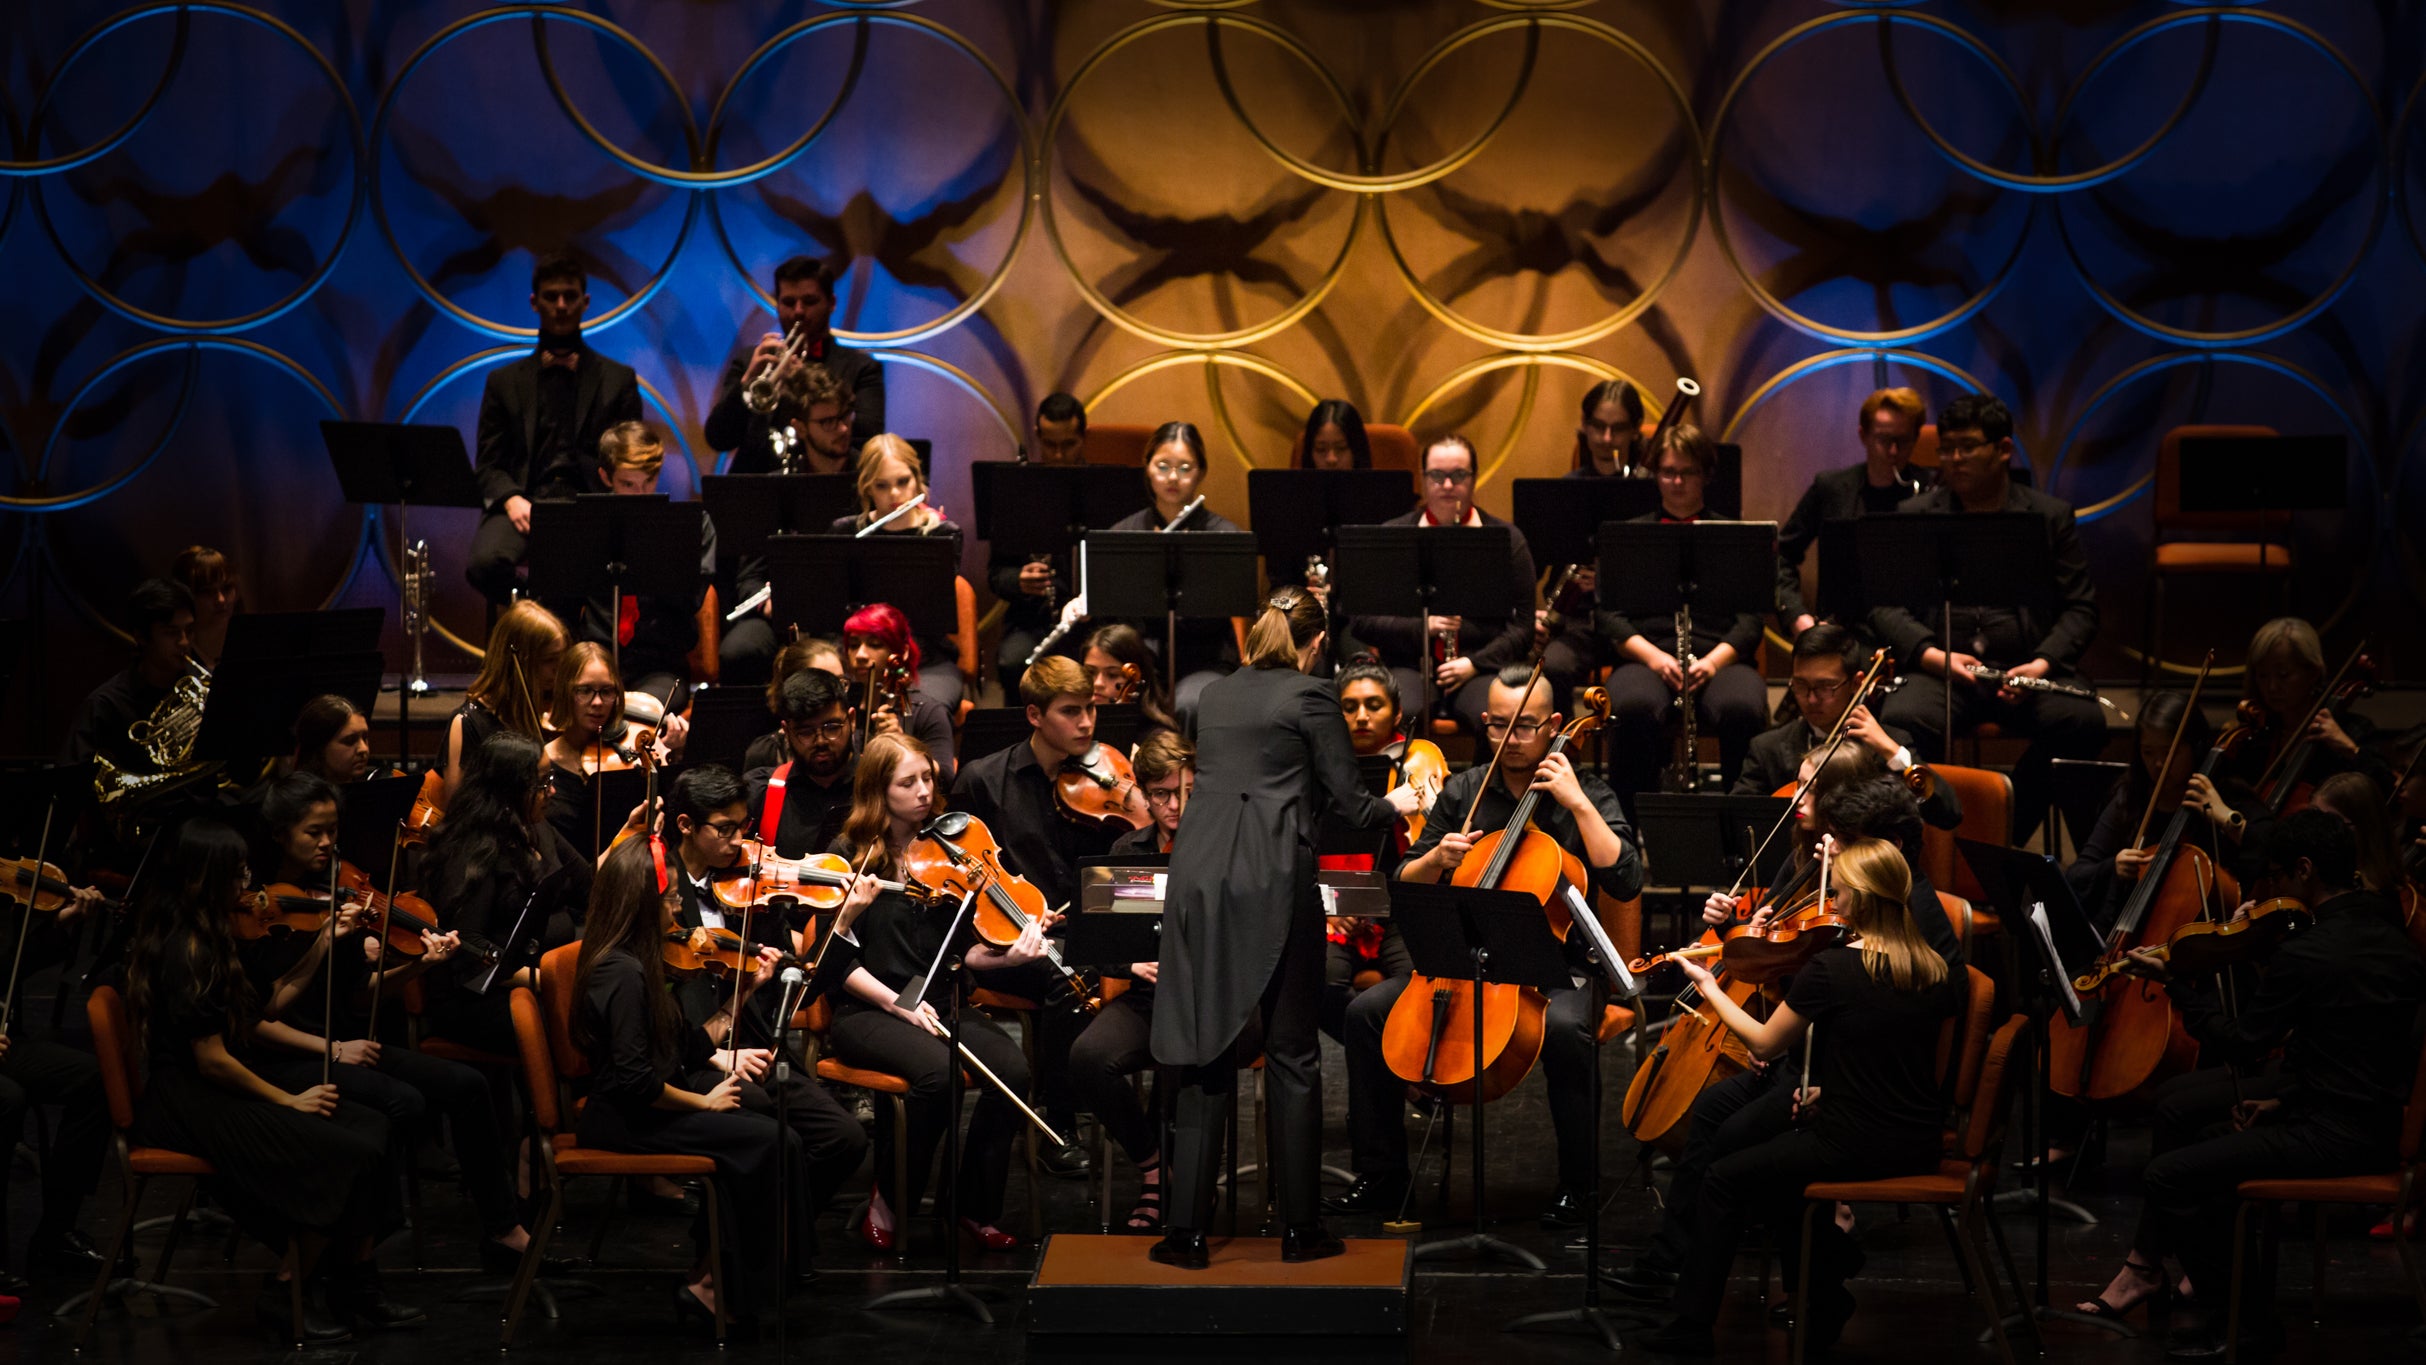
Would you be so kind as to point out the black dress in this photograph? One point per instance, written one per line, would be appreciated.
(629, 1070)
(277, 1171)
(546, 899)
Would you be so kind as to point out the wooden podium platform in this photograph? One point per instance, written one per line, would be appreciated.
(1108, 1286)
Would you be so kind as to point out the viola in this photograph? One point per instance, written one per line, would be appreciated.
(43, 888)
(1420, 765)
(1100, 791)
(957, 856)
(819, 880)
(1428, 1039)
(888, 689)
(2205, 947)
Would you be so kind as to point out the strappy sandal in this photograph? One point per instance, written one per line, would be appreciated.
(1146, 1218)
(2096, 1306)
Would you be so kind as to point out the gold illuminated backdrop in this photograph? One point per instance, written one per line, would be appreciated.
(225, 222)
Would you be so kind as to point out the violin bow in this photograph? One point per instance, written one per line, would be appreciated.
(25, 922)
(1835, 741)
(2408, 771)
(328, 968)
(386, 917)
(2332, 685)
(2173, 747)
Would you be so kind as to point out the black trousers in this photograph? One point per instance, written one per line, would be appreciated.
(1764, 1184)
(1341, 962)
(2058, 727)
(2200, 1161)
(1289, 1013)
(832, 1144)
(1416, 692)
(40, 1071)
(1057, 1027)
(1733, 705)
(743, 1145)
(1117, 1044)
(1739, 1112)
(879, 1041)
(1567, 661)
(745, 651)
(1377, 1131)
(494, 568)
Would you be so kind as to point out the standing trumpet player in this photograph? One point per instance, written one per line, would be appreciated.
(748, 401)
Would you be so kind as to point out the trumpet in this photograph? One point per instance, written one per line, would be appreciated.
(759, 394)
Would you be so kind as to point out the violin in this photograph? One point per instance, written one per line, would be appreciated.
(1428, 1039)
(1100, 791)
(429, 806)
(2205, 947)
(1128, 679)
(888, 689)
(819, 880)
(1797, 932)
(712, 952)
(956, 856)
(1420, 765)
(404, 918)
(43, 888)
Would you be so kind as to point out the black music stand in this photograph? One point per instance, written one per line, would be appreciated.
(1039, 512)
(2260, 475)
(1484, 937)
(1929, 565)
(725, 721)
(748, 508)
(1295, 511)
(1424, 571)
(1707, 841)
(819, 580)
(2030, 891)
(370, 814)
(408, 465)
(1715, 569)
(1197, 575)
(642, 545)
(254, 697)
(1561, 518)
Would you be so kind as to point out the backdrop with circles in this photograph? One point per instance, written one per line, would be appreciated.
(221, 223)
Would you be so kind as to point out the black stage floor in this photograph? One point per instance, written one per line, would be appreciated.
(1912, 1304)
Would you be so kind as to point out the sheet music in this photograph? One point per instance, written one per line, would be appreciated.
(2055, 960)
(1612, 964)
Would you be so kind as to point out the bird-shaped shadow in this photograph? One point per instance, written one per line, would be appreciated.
(512, 217)
(1908, 254)
(916, 251)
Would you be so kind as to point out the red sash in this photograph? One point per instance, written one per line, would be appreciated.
(770, 818)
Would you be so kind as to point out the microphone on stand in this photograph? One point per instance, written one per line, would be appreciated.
(795, 985)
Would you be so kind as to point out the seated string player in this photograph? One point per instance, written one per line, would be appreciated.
(797, 802)
(804, 316)
(1730, 699)
(1109, 651)
(1890, 429)
(1368, 700)
(1447, 656)
(1827, 670)
(2341, 1000)
(1032, 590)
(877, 643)
(541, 418)
(1975, 456)
(890, 478)
(1581, 814)
(654, 636)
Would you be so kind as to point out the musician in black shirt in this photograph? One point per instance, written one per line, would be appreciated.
(540, 420)
(1730, 698)
(1975, 453)
(1208, 646)
(1476, 649)
(160, 615)
(876, 639)
(1828, 663)
(655, 635)
(890, 478)
(1883, 481)
(2342, 1000)
(1030, 590)
(797, 803)
(804, 301)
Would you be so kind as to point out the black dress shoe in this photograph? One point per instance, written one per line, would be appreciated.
(356, 1297)
(1310, 1243)
(1370, 1194)
(1567, 1209)
(1643, 1281)
(496, 1258)
(1069, 1161)
(1182, 1247)
(688, 1310)
(71, 1254)
(273, 1310)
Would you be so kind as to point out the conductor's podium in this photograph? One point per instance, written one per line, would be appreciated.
(1108, 1286)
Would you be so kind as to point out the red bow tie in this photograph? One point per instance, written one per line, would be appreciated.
(562, 360)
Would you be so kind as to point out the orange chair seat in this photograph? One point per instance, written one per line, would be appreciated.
(162, 1161)
(1444, 728)
(882, 1082)
(2220, 556)
(2348, 1189)
(999, 1000)
(1614, 1020)
(574, 1159)
(1945, 1186)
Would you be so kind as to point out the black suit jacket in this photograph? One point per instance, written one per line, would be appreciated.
(605, 392)
(732, 426)
(1833, 496)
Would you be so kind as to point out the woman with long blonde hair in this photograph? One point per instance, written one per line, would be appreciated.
(1868, 1014)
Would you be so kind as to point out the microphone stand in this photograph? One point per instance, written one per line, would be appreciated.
(795, 985)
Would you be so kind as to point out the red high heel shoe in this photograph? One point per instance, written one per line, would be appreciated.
(988, 1238)
(873, 1237)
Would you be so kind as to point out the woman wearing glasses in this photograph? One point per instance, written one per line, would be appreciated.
(1653, 668)
(1209, 647)
(592, 737)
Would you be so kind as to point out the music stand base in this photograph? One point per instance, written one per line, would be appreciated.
(121, 1288)
(1481, 1246)
(2016, 1321)
(2028, 1200)
(951, 1297)
(1592, 1319)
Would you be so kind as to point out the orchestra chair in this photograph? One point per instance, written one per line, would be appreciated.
(1115, 443)
(964, 641)
(2396, 1187)
(702, 659)
(2176, 555)
(543, 1032)
(1025, 1011)
(1987, 800)
(1959, 1189)
(122, 1086)
(816, 1017)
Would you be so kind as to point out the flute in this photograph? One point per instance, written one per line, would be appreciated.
(887, 519)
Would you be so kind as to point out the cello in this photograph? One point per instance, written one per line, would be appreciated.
(2129, 1034)
(1428, 1039)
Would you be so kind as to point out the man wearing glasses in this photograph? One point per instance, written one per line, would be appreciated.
(810, 429)
(1975, 453)
(1884, 480)
(804, 302)
(1828, 661)
(797, 805)
(1448, 656)
(1580, 813)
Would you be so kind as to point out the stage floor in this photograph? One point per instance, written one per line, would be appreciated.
(1912, 1305)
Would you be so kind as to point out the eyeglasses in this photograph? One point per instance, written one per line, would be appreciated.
(1450, 477)
(724, 829)
(1523, 729)
(1801, 688)
(1669, 473)
(1964, 449)
(584, 692)
(840, 419)
(1163, 796)
(1166, 469)
(832, 729)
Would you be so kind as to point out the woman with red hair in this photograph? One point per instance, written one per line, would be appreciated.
(874, 639)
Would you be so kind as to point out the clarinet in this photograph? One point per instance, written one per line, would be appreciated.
(1685, 774)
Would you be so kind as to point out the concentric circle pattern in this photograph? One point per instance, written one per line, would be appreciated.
(1517, 258)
